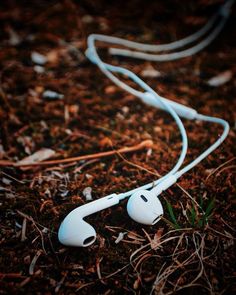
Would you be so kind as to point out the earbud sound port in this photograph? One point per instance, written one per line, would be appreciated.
(157, 219)
(89, 240)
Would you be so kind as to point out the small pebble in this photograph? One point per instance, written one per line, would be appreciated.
(111, 89)
(88, 176)
(52, 95)
(6, 180)
(150, 73)
(120, 237)
(39, 69)
(87, 19)
(87, 192)
(220, 79)
(125, 110)
(38, 58)
(14, 38)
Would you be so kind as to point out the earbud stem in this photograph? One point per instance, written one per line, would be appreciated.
(98, 205)
(164, 185)
(74, 231)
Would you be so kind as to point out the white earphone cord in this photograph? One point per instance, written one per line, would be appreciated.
(144, 205)
(107, 69)
(93, 56)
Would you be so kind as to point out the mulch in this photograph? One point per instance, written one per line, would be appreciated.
(187, 252)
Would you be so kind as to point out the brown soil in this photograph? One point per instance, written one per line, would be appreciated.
(197, 256)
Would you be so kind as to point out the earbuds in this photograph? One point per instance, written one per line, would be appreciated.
(74, 231)
(144, 205)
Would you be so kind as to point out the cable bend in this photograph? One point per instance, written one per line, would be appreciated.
(217, 143)
(108, 70)
(149, 96)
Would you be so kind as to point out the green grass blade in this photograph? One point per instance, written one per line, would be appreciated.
(172, 215)
(209, 210)
(193, 216)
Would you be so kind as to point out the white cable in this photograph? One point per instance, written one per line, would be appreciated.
(223, 12)
(151, 97)
(225, 125)
(171, 56)
(160, 47)
(197, 160)
(103, 67)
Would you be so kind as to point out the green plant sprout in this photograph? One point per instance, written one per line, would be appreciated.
(195, 219)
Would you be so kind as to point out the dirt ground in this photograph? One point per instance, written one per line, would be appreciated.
(191, 250)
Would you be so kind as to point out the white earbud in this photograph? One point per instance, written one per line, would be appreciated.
(144, 206)
(74, 231)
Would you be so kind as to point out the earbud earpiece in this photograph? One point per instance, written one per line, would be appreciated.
(145, 207)
(74, 231)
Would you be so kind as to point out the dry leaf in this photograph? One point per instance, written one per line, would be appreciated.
(38, 156)
(38, 58)
(150, 72)
(49, 94)
(87, 192)
(220, 79)
(120, 237)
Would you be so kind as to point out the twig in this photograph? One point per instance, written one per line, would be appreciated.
(137, 165)
(33, 262)
(11, 276)
(98, 261)
(227, 224)
(60, 283)
(225, 168)
(97, 280)
(142, 145)
(3, 97)
(198, 249)
(35, 225)
(78, 169)
(193, 200)
(229, 236)
(13, 178)
(219, 167)
(23, 231)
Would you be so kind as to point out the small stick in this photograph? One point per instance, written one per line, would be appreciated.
(142, 145)
(11, 276)
(33, 262)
